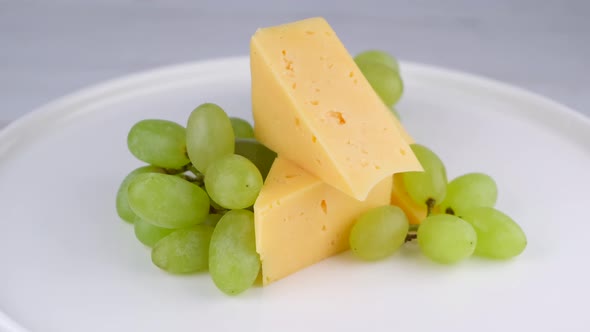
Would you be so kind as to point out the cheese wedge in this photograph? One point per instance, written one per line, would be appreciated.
(312, 105)
(300, 220)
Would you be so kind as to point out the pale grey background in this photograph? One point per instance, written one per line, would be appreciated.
(51, 48)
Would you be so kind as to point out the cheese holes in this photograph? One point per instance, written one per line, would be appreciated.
(324, 207)
(337, 116)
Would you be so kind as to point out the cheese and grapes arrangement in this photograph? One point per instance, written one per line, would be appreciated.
(326, 167)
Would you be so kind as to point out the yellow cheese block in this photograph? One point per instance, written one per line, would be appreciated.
(300, 220)
(312, 105)
(400, 198)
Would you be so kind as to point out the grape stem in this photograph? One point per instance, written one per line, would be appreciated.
(411, 236)
(193, 179)
(430, 203)
(173, 171)
(412, 233)
(193, 169)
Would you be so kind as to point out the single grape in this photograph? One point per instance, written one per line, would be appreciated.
(214, 205)
(149, 234)
(159, 142)
(233, 182)
(379, 232)
(385, 81)
(209, 136)
(498, 236)
(377, 57)
(123, 209)
(184, 251)
(469, 191)
(446, 239)
(242, 128)
(233, 261)
(426, 188)
(257, 153)
(167, 201)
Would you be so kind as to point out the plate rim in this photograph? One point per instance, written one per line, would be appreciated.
(48, 113)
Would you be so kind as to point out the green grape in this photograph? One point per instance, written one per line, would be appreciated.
(184, 251)
(212, 219)
(498, 236)
(469, 191)
(123, 209)
(446, 239)
(214, 205)
(378, 57)
(233, 261)
(209, 136)
(385, 81)
(159, 142)
(242, 128)
(233, 182)
(379, 232)
(167, 200)
(149, 234)
(427, 188)
(259, 154)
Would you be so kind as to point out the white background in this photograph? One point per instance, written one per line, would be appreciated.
(51, 48)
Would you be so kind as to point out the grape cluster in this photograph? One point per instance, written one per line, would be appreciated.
(461, 219)
(192, 203)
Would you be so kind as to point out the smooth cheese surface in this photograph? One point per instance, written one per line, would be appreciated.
(312, 105)
(300, 220)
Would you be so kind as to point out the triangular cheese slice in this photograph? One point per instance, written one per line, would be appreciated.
(312, 105)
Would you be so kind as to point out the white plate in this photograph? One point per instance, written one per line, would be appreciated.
(69, 264)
